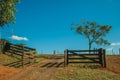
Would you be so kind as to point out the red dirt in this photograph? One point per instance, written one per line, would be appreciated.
(7, 72)
(46, 72)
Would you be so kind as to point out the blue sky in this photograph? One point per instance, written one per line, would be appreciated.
(46, 23)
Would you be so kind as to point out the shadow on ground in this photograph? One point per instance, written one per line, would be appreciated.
(16, 64)
(53, 65)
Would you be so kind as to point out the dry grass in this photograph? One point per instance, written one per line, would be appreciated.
(6, 72)
(113, 63)
(5, 59)
(73, 73)
(112, 72)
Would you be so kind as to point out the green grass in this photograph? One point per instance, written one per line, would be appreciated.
(74, 73)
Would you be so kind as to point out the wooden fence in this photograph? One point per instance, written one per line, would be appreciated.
(25, 54)
(85, 56)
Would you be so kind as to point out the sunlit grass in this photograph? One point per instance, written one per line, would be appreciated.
(5, 59)
(75, 73)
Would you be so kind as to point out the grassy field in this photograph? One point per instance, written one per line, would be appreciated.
(5, 59)
(113, 63)
(72, 72)
(6, 72)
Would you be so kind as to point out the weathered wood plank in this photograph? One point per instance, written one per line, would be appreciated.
(82, 58)
(82, 50)
(84, 62)
(97, 56)
(83, 54)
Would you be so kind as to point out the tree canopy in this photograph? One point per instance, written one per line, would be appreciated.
(7, 11)
(95, 33)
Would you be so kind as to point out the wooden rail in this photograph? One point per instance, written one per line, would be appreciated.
(23, 53)
(85, 56)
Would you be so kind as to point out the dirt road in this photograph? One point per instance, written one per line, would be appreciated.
(40, 71)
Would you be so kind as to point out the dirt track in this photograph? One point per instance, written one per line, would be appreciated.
(45, 70)
(40, 71)
(7, 72)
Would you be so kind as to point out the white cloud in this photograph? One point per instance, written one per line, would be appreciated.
(14, 37)
(109, 49)
(115, 44)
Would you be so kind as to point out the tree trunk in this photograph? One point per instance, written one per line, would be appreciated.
(90, 45)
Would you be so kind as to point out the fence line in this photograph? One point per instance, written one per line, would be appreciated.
(25, 54)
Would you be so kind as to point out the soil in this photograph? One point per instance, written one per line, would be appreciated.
(49, 67)
(45, 69)
(113, 63)
(7, 72)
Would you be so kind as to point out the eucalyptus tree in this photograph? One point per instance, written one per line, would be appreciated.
(95, 33)
(7, 11)
(7, 14)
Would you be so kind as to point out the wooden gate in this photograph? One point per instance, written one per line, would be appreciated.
(85, 56)
(24, 54)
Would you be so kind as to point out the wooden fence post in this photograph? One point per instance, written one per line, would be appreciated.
(12, 49)
(102, 64)
(22, 60)
(100, 57)
(23, 57)
(104, 58)
(35, 56)
(29, 57)
(119, 51)
(65, 58)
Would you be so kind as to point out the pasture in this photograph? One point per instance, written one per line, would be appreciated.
(50, 68)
